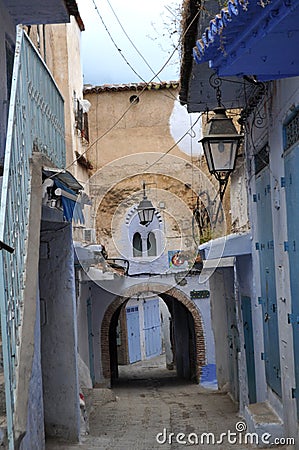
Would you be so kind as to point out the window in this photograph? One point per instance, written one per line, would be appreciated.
(151, 244)
(137, 245)
(291, 131)
(261, 159)
(82, 121)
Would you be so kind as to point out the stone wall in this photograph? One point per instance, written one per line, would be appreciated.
(141, 142)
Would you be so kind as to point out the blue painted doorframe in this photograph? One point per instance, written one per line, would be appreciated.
(292, 201)
(152, 328)
(133, 327)
(268, 299)
(249, 347)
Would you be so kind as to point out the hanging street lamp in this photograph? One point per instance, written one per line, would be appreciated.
(220, 145)
(221, 141)
(145, 209)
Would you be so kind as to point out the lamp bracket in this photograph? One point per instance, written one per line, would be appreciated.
(222, 187)
(216, 82)
(4, 246)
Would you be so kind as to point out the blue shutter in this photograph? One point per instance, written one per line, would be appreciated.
(292, 200)
(268, 286)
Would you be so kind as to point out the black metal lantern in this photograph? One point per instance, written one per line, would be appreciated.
(145, 210)
(220, 146)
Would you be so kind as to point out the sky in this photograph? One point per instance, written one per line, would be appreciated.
(150, 26)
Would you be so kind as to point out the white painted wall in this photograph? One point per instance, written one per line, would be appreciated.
(180, 122)
(59, 333)
(144, 263)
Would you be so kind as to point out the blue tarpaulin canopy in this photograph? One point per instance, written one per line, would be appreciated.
(72, 209)
(252, 37)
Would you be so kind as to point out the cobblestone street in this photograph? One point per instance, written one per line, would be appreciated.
(149, 399)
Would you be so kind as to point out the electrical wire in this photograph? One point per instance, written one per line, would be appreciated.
(115, 44)
(138, 96)
(134, 46)
(130, 40)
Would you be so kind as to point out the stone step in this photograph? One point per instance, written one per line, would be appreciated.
(261, 418)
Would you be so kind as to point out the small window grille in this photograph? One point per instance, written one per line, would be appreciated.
(261, 159)
(291, 132)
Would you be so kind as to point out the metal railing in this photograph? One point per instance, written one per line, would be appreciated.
(35, 124)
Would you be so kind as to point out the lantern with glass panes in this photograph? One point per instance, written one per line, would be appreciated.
(220, 144)
(145, 209)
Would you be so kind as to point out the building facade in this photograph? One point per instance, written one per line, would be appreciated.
(263, 282)
(38, 198)
(152, 261)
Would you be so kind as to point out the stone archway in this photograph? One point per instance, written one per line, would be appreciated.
(159, 289)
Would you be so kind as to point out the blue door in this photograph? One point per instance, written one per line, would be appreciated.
(249, 348)
(268, 287)
(152, 328)
(133, 329)
(292, 200)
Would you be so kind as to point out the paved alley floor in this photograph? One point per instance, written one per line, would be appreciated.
(148, 401)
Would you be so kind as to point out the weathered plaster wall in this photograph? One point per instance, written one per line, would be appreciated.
(59, 332)
(144, 128)
(238, 198)
(170, 191)
(59, 46)
(128, 142)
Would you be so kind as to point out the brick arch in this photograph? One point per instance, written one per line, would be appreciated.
(158, 289)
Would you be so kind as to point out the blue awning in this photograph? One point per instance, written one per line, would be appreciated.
(253, 37)
(232, 245)
(72, 209)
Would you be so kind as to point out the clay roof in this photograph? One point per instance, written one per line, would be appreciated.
(90, 89)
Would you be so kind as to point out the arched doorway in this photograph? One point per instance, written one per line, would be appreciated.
(190, 354)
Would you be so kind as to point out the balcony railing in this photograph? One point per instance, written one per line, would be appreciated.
(35, 124)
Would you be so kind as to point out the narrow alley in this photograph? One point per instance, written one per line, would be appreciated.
(149, 289)
(149, 400)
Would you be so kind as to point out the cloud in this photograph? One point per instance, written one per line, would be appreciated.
(144, 23)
